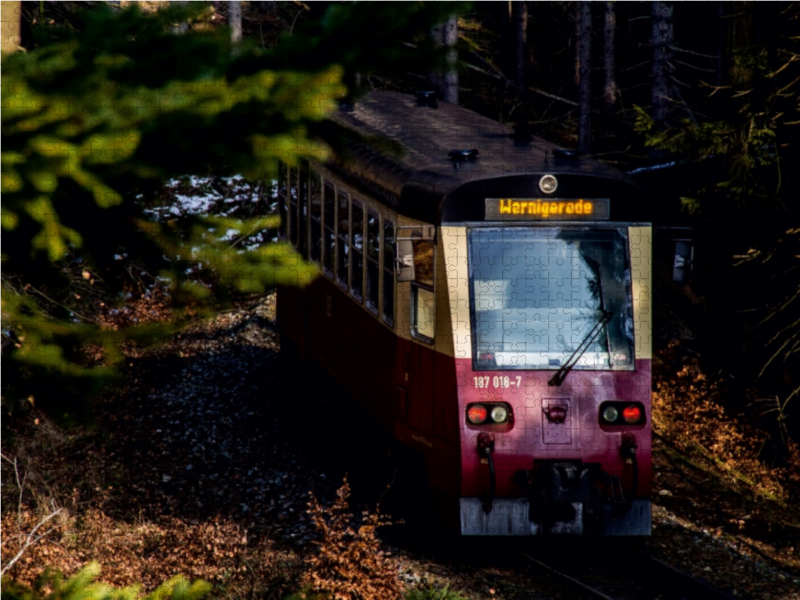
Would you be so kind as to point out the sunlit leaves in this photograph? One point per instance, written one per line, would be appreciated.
(93, 138)
(83, 585)
(119, 105)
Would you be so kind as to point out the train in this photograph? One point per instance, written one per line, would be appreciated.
(485, 295)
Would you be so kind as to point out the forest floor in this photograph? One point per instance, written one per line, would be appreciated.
(199, 464)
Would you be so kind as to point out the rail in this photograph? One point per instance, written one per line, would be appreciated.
(655, 578)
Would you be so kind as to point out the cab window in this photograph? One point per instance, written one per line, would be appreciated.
(423, 315)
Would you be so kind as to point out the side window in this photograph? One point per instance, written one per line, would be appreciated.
(328, 239)
(373, 260)
(357, 250)
(389, 253)
(302, 222)
(283, 171)
(343, 238)
(315, 208)
(423, 315)
(293, 214)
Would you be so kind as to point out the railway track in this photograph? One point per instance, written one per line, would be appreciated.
(634, 576)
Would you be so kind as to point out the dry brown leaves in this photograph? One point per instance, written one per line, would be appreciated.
(719, 511)
(350, 563)
(73, 471)
(687, 410)
(152, 306)
(148, 553)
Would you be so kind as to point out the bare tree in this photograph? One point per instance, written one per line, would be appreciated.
(269, 7)
(521, 19)
(610, 88)
(235, 20)
(504, 17)
(662, 53)
(30, 539)
(585, 77)
(451, 74)
(577, 14)
(446, 83)
(435, 76)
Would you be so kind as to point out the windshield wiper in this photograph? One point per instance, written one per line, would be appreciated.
(559, 376)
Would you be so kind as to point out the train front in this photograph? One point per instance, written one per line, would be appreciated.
(550, 313)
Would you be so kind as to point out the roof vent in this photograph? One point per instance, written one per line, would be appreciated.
(563, 154)
(427, 98)
(463, 155)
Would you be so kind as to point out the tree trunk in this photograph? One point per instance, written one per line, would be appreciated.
(445, 83)
(610, 89)
(585, 78)
(268, 7)
(506, 24)
(521, 19)
(662, 53)
(235, 20)
(451, 74)
(741, 30)
(435, 76)
(577, 74)
(722, 64)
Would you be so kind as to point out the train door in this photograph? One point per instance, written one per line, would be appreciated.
(416, 265)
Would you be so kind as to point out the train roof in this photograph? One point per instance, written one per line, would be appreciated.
(427, 183)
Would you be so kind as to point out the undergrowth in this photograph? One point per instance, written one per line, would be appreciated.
(350, 563)
(56, 515)
(56, 511)
(52, 585)
(433, 594)
(688, 412)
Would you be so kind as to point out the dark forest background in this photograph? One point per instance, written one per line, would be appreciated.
(699, 101)
(104, 102)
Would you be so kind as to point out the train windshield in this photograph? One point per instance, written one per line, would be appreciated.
(543, 296)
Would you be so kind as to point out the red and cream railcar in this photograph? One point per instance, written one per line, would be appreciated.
(487, 300)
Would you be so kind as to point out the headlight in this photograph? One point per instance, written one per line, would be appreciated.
(610, 414)
(499, 414)
(548, 184)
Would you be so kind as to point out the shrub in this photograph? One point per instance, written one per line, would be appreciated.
(51, 585)
(432, 593)
(350, 563)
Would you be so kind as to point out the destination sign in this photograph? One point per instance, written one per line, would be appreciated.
(547, 209)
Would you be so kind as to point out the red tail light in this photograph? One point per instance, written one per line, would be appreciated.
(632, 414)
(477, 414)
